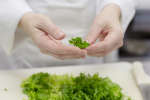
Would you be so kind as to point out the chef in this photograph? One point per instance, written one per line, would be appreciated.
(35, 33)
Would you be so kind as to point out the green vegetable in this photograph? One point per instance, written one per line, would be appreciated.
(44, 86)
(78, 42)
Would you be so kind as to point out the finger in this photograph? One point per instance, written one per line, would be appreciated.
(94, 33)
(59, 48)
(101, 54)
(94, 48)
(114, 39)
(44, 42)
(56, 33)
(111, 42)
(70, 50)
(62, 56)
(42, 35)
(53, 46)
(51, 29)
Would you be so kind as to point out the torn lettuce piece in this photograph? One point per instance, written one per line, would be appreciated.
(78, 42)
(45, 86)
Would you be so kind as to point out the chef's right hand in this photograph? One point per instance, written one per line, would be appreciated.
(47, 36)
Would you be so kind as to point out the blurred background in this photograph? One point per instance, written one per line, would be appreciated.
(136, 42)
(137, 37)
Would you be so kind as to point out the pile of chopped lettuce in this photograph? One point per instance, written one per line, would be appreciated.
(44, 86)
(78, 42)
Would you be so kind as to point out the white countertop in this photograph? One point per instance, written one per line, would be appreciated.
(120, 73)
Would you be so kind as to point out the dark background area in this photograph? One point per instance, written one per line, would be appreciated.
(137, 38)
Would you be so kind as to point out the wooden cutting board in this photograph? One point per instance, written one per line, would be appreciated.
(120, 73)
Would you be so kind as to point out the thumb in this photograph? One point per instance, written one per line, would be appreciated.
(51, 29)
(93, 34)
(57, 33)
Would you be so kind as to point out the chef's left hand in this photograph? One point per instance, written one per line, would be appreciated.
(107, 30)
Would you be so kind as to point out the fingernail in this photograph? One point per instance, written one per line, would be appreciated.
(62, 34)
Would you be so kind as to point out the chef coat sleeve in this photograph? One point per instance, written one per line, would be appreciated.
(11, 12)
(127, 9)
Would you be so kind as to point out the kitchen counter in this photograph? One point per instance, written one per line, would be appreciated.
(121, 73)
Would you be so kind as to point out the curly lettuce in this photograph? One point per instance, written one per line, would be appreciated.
(44, 86)
(78, 42)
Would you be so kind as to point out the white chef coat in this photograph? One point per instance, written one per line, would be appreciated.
(74, 17)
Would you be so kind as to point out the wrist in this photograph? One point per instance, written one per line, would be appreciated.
(112, 11)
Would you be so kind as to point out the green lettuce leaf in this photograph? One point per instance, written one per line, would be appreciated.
(44, 86)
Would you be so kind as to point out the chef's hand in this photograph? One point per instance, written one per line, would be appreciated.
(47, 36)
(107, 30)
